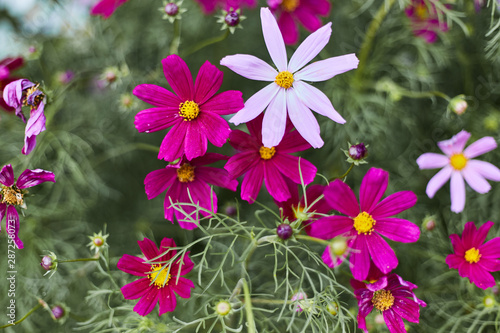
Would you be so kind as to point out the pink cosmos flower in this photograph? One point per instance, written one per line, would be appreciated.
(195, 112)
(425, 19)
(7, 65)
(288, 93)
(271, 165)
(12, 195)
(391, 295)
(292, 12)
(21, 93)
(162, 276)
(458, 164)
(365, 223)
(209, 6)
(186, 182)
(472, 258)
(106, 8)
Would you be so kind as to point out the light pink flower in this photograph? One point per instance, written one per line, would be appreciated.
(458, 164)
(288, 93)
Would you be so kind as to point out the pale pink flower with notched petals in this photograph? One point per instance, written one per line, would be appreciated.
(458, 164)
(288, 93)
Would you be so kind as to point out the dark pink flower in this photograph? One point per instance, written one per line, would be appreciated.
(271, 165)
(106, 8)
(393, 297)
(472, 258)
(290, 13)
(209, 6)
(195, 112)
(425, 19)
(187, 182)
(162, 276)
(7, 65)
(367, 221)
(12, 195)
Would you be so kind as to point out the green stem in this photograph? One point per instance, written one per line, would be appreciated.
(344, 175)
(312, 239)
(248, 308)
(366, 47)
(206, 43)
(81, 259)
(36, 307)
(270, 301)
(174, 46)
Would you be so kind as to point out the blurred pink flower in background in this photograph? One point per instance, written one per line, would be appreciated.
(425, 19)
(209, 6)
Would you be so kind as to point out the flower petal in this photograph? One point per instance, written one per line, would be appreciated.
(136, 289)
(407, 309)
(213, 127)
(157, 96)
(156, 119)
(326, 69)
(480, 277)
(183, 287)
(360, 258)
(275, 183)
(227, 102)
(172, 146)
(458, 245)
(491, 249)
(456, 144)
(250, 67)
(457, 189)
(475, 180)
(133, 265)
(12, 226)
(241, 163)
(149, 248)
(195, 143)
(394, 204)
(432, 161)
(438, 181)
(167, 300)
(256, 104)
(29, 144)
(485, 169)
(341, 198)
(398, 230)
(30, 178)
(490, 265)
(310, 48)
(454, 261)
(372, 188)
(480, 147)
(179, 77)
(481, 233)
(317, 101)
(250, 187)
(394, 322)
(217, 177)
(288, 28)
(308, 18)
(7, 175)
(273, 38)
(383, 255)
(207, 83)
(303, 119)
(330, 226)
(293, 167)
(158, 181)
(274, 123)
(147, 302)
(292, 142)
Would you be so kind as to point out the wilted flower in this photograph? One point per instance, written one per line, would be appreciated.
(162, 276)
(426, 19)
(7, 66)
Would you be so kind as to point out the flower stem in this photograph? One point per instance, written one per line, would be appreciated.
(368, 41)
(345, 173)
(174, 45)
(312, 239)
(248, 308)
(81, 259)
(206, 42)
(36, 307)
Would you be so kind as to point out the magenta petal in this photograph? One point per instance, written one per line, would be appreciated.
(214, 127)
(30, 178)
(166, 246)
(288, 28)
(275, 183)
(183, 287)
(490, 265)
(179, 77)
(491, 249)
(398, 230)
(372, 188)
(158, 181)
(454, 261)
(458, 246)
(172, 146)
(341, 198)
(480, 277)
(171, 197)
(3, 211)
(308, 19)
(187, 265)
(406, 308)
(480, 147)
(133, 265)
(29, 144)
(250, 187)
(360, 258)
(330, 226)
(394, 204)
(394, 322)
(106, 7)
(195, 142)
(217, 177)
(241, 163)
(208, 158)
(242, 141)
(167, 300)
(7, 175)
(226, 102)
(12, 226)
(157, 96)
(148, 302)
(136, 289)
(457, 189)
(207, 83)
(293, 167)
(156, 119)
(479, 236)
(36, 123)
(293, 142)
(149, 248)
(382, 254)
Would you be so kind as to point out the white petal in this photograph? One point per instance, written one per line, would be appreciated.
(485, 169)
(256, 104)
(457, 189)
(310, 48)
(475, 180)
(326, 69)
(274, 123)
(456, 144)
(250, 67)
(438, 181)
(314, 99)
(303, 119)
(432, 161)
(274, 39)
(480, 147)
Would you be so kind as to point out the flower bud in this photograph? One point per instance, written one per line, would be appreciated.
(299, 296)
(284, 231)
(57, 312)
(66, 77)
(338, 246)
(489, 301)
(171, 9)
(358, 152)
(223, 308)
(49, 262)
(98, 242)
(332, 308)
(232, 19)
(458, 104)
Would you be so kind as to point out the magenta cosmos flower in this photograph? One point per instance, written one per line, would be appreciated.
(106, 8)
(162, 276)
(288, 93)
(209, 6)
(472, 258)
(292, 12)
(367, 221)
(12, 195)
(391, 295)
(21, 93)
(269, 165)
(425, 19)
(7, 65)
(186, 182)
(458, 164)
(195, 112)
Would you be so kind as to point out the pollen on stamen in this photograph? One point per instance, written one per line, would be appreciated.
(189, 110)
(185, 173)
(290, 5)
(383, 300)
(363, 223)
(284, 79)
(458, 161)
(472, 255)
(159, 276)
(267, 153)
(11, 196)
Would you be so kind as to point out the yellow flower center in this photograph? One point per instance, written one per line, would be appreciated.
(284, 79)
(189, 110)
(12, 195)
(422, 12)
(472, 255)
(382, 300)
(363, 223)
(159, 276)
(185, 173)
(267, 153)
(458, 161)
(290, 5)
